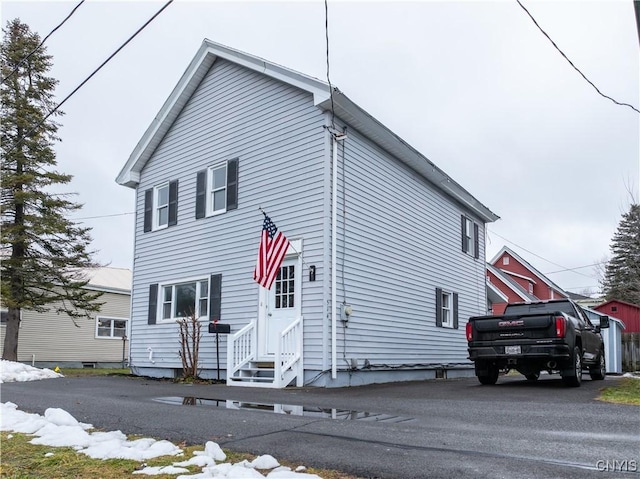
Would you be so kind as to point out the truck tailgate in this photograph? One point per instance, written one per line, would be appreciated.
(514, 327)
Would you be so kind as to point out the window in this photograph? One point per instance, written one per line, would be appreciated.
(531, 289)
(284, 285)
(614, 309)
(111, 327)
(447, 319)
(181, 300)
(4, 314)
(470, 237)
(161, 206)
(217, 189)
(446, 309)
(505, 260)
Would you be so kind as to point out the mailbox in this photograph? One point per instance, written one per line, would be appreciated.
(219, 328)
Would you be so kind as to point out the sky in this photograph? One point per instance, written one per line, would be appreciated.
(58, 428)
(474, 86)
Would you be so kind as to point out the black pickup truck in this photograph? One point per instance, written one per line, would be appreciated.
(555, 336)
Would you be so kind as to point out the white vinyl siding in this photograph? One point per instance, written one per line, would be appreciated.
(234, 113)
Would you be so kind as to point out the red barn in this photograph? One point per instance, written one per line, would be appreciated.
(629, 313)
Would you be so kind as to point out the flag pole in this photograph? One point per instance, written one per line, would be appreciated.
(290, 245)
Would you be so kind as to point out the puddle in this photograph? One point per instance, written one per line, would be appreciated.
(290, 409)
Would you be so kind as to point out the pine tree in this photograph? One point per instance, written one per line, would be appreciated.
(622, 273)
(44, 254)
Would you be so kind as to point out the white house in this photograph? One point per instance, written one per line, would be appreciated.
(388, 254)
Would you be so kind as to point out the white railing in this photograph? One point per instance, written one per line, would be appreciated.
(241, 349)
(288, 359)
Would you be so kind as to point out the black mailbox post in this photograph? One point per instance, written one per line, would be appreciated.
(218, 329)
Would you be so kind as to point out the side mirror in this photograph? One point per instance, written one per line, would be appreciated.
(604, 322)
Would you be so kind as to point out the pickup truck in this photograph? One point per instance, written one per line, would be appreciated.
(555, 336)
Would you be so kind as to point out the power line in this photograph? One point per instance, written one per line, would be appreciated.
(326, 31)
(577, 267)
(88, 78)
(104, 216)
(17, 67)
(538, 256)
(571, 63)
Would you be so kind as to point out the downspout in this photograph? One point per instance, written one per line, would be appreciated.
(334, 262)
(326, 228)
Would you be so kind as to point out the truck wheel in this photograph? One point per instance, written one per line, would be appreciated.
(532, 376)
(574, 377)
(491, 377)
(599, 372)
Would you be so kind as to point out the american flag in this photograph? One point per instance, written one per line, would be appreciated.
(273, 247)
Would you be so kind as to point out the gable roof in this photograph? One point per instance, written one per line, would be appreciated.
(343, 107)
(108, 279)
(541, 276)
(511, 284)
(631, 305)
(494, 294)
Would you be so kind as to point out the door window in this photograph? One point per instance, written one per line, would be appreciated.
(285, 289)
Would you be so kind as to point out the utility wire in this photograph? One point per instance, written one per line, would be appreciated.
(21, 62)
(571, 63)
(104, 216)
(326, 31)
(538, 256)
(577, 267)
(88, 78)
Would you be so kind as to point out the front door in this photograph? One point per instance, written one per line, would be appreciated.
(282, 306)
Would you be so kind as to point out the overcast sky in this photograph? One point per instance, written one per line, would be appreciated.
(474, 86)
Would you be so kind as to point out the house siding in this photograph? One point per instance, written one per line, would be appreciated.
(277, 134)
(55, 338)
(398, 240)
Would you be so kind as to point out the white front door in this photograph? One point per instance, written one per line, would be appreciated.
(282, 306)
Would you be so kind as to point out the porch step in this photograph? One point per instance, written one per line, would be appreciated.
(256, 372)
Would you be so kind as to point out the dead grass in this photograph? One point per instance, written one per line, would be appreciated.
(22, 460)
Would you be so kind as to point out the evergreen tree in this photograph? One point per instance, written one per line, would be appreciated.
(622, 273)
(44, 255)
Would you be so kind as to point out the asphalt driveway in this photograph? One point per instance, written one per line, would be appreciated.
(427, 429)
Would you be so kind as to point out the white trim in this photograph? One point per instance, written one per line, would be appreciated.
(160, 299)
(449, 309)
(498, 274)
(154, 216)
(112, 318)
(209, 188)
(521, 276)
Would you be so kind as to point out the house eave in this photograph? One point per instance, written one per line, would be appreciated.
(203, 60)
(362, 121)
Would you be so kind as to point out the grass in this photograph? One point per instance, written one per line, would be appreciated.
(22, 460)
(626, 391)
(84, 372)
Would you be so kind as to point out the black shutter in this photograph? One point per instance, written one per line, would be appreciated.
(148, 209)
(173, 203)
(455, 310)
(438, 306)
(232, 184)
(476, 241)
(201, 194)
(462, 233)
(215, 297)
(153, 303)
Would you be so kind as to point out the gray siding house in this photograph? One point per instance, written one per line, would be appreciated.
(387, 255)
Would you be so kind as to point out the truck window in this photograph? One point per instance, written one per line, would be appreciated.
(542, 308)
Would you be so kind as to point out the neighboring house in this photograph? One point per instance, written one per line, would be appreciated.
(520, 281)
(387, 257)
(629, 313)
(50, 339)
(512, 291)
(612, 337)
